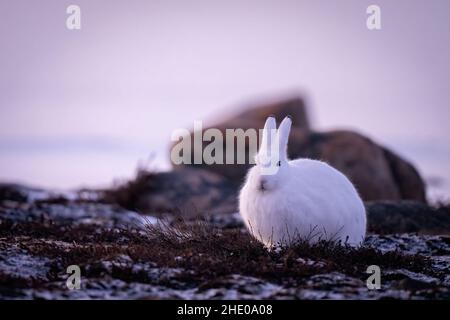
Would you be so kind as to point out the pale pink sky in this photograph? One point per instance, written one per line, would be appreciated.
(81, 107)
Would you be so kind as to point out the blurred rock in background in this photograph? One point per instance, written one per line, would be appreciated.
(378, 173)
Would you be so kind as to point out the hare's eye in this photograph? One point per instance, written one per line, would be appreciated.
(279, 163)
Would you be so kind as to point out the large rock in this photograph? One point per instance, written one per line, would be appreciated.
(378, 173)
(252, 118)
(186, 193)
(255, 116)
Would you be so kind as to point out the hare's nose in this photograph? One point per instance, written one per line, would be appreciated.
(262, 184)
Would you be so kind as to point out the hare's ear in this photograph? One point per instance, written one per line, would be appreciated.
(283, 136)
(266, 140)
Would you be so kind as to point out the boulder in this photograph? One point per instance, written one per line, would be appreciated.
(252, 118)
(186, 193)
(255, 116)
(378, 173)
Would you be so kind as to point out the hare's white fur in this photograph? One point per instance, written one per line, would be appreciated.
(302, 198)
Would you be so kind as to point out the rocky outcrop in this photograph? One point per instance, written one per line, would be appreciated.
(378, 173)
(406, 176)
(252, 118)
(196, 192)
(188, 192)
(255, 116)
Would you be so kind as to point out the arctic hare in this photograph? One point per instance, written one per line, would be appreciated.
(282, 201)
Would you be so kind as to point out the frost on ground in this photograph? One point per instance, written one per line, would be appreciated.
(124, 255)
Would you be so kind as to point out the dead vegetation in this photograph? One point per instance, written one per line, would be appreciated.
(201, 250)
(127, 194)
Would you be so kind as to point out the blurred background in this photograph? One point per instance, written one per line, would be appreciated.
(82, 107)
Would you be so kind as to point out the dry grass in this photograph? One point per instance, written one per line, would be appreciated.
(127, 194)
(203, 251)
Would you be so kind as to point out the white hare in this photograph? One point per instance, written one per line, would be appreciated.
(282, 201)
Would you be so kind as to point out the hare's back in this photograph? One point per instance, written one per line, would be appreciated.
(327, 193)
(313, 166)
(320, 174)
